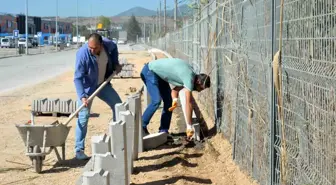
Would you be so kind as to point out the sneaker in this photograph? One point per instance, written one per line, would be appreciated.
(144, 132)
(81, 155)
(166, 131)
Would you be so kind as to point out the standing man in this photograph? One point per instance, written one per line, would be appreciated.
(157, 75)
(95, 62)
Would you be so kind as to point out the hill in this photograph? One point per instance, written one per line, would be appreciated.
(183, 10)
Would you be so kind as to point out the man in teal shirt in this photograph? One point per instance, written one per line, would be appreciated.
(157, 75)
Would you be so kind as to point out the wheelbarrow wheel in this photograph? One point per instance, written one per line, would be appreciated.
(37, 160)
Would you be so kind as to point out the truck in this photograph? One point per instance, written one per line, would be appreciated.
(122, 39)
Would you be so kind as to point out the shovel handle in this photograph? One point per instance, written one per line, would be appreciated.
(89, 99)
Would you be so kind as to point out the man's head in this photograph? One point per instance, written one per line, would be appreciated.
(95, 43)
(202, 81)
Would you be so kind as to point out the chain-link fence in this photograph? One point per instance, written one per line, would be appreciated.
(234, 41)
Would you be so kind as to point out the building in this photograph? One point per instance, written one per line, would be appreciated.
(7, 24)
(10, 22)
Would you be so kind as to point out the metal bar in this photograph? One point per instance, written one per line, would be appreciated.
(63, 151)
(89, 99)
(272, 103)
(44, 139)
(31, 154)
(27, 140)
(57, 154)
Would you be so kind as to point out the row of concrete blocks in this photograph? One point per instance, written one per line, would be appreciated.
(125, 74)
(45, 105)
(125, 62)
(113, 154)
(128, 67)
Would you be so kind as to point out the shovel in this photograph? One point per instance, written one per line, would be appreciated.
(89, 99)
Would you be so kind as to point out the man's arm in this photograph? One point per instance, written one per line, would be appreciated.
(175, 91)
(115, 57)
(79, 75)
(115, 53)
(188, 107)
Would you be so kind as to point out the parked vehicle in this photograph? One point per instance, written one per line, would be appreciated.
(7, 43)
(34, 42)
(22, 41)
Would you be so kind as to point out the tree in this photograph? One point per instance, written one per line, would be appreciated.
(105, 21)
(133, 29)
(82, 31)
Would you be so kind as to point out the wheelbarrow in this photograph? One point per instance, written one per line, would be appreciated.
(38, 138)
(41, 140)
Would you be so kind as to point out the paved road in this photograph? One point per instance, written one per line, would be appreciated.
(28, 70)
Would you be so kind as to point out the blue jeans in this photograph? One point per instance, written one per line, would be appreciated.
(110, 97)
(158, 89)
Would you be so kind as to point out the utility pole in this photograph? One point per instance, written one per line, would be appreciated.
(157, 21)
(90, 4)
(26, 27)
(175, 16)
(56, 33)
(144, 35)
(160, 19)
(77, 23)
(164, 17)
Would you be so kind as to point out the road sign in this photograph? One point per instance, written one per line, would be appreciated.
(16, 33)
(39, 34)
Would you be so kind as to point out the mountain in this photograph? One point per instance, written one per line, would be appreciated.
(183, 10)
(137, 11)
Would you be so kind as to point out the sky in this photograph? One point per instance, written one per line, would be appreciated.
(68, 7)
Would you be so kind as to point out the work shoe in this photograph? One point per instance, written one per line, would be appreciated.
(144, 132)
(81, 155)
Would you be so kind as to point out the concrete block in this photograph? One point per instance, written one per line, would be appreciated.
(100, 177)
(121, 107)
(197, 134)
(128, 118)
(117, 132)
(55, 105)
(113, 165)
(100, 144)
(134, 102)
(152, 141)
(146, 97)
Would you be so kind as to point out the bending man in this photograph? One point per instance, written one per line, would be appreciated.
(157, 75)
(95, 62)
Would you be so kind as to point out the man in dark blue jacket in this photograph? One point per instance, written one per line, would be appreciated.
(95, 62)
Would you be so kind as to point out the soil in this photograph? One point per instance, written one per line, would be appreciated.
(209, 162)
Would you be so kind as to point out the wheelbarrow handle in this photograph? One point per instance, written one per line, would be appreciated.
(89, 99)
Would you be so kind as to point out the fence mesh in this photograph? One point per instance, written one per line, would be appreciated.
(234, 41)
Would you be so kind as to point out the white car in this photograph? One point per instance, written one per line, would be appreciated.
(121, 42)
(22, 41)
(7, 43)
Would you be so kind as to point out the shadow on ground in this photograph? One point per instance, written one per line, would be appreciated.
(65, 165)
(173, 180)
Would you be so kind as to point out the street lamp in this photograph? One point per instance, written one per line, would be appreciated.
(26, 27)
(56, 33)
(77, 24)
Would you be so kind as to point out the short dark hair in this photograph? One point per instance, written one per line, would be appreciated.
(96, 37)
(204, 80)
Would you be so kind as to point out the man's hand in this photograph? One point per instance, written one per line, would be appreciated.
(118, 68)
(85, 101)
(190, 131)
(174, 105)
